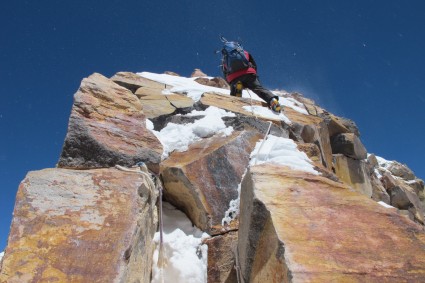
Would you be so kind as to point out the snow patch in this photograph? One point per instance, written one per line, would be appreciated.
(184, 253)
(275, 150)
(1, 255)
(233, 210)
(195, 90)
(383, 162)
(383, 166)
(176, 137)
(210, 125)
(294, 104)
(188, 86)
(180, 137)
(385, 204)
(149, 125)
(267, 113)
(282, 151)
(212, 110)
(377, 173)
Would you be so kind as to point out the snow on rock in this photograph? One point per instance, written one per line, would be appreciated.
(176, 137)
(210, 125)
(276, 150)
(294, 104)
(1, 255)
(282, 151)
(193, 89)
(383, 166)
(212, 110)
(383, 162)
(184, 254)
(290, 102)
(385, 204)
(233, 210)
(149, 125)
(179, 137)
(267, 113)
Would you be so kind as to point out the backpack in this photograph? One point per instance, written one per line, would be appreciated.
(234, 58)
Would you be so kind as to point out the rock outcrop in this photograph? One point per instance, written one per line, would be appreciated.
(296, 227)
(160, 105)
(402, 171)
(138, 84)
(349, 145)
(221, 258)
(348, 216)
(404, 197)
(203, 180)
(107, 127)
(203, 79)
(338, 125)
(311, 129)
(81, 226)
(353, 172)
(215, 82)
(198, 73)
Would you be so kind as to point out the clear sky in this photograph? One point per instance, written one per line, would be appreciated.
(363, 59)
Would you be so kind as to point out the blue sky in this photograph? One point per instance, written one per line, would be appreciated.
(363, 60)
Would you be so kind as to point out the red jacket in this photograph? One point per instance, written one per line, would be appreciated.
(249, 70)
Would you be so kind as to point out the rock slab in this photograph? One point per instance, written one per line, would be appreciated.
(349, 145)
(134, 82)
(107, 127)
(81, 226)
(296, 227)
(404, 197)
(203, 180)
(156, 105)
(354, 173)
(221, 259)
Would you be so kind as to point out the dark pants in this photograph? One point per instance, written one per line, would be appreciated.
(251, 82)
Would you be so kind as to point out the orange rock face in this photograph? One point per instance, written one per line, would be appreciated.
(221, 260)
(312, 129)
(134, 82)
(80, 226)
(295, 227)
(155, 105)
(107, 127)
(230, 103)
(203, 180)
(353, 173)
(97, 225)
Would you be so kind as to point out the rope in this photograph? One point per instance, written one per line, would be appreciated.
(172, 104)
(138, 170)
(262, 143)
(252, 107)
(161, 259)
(237, 265)
(143, 170)
(268, 130)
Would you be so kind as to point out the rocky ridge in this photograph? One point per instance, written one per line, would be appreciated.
(359, 219)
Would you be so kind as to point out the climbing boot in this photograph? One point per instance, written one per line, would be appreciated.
(239, 88)
(274, 105)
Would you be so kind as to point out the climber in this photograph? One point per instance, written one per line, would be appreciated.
(240, 71)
